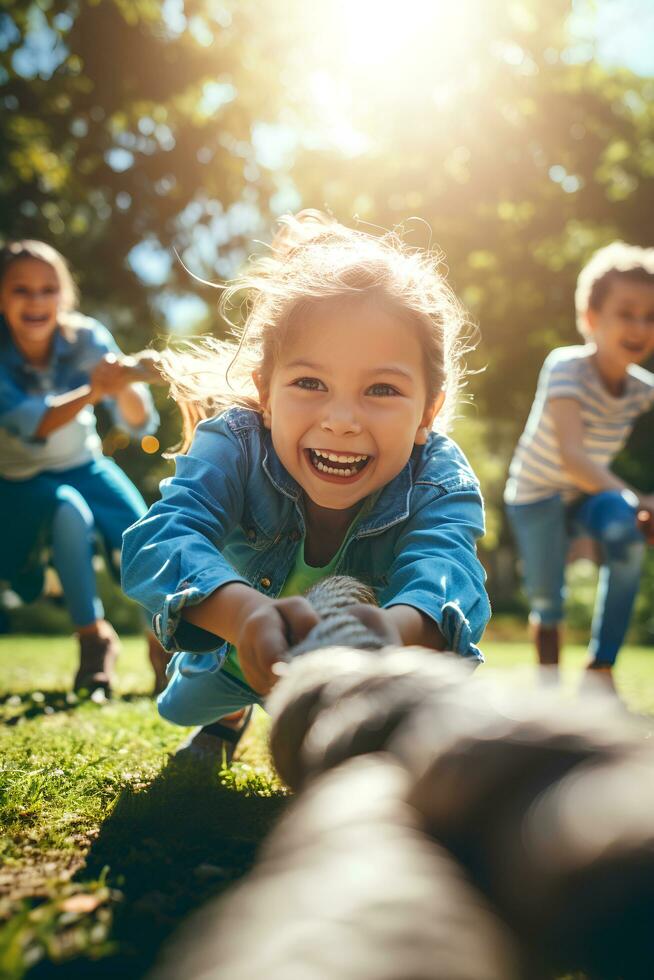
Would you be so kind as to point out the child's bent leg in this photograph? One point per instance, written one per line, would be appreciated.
(72, 552)
(200, 694)
(72, 548)
(611, 519)
(116, 503)
(540, 533)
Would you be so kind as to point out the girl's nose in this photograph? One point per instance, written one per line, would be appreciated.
(340, 422)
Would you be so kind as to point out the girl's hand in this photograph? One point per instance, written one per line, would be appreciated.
(378, 621)
(646, 523)
(109, 377)
(146, 366)
(266, 635)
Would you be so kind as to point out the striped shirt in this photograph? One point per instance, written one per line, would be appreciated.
(536, 470)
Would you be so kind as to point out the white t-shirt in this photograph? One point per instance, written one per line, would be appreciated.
(26, 393)
(536, 470)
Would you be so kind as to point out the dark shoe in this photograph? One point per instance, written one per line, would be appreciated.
(215, 743)
(159, 658)
(598, 682)
(98, 652)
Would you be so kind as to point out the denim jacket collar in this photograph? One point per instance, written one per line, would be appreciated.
(275, 471)
(391, 507)
(11, 356)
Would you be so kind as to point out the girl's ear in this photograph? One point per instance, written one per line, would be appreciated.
(427, 419)
(264, 400)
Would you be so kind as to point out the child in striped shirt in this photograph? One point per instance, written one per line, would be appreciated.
(560, 484)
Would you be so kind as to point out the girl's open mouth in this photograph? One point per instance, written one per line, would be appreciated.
(337, 464)
(32, 319)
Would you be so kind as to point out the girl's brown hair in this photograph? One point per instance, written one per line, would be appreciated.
(314, 260)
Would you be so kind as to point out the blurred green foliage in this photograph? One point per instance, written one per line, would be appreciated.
(132, 128)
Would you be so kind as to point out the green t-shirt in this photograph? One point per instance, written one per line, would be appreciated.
(302, 577)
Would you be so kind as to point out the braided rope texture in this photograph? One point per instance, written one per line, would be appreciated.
(445, 827)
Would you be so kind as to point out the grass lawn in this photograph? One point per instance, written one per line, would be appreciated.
(105, 845)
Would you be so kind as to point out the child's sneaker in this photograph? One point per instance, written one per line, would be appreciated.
(215, 743)
(98, 650)
(598, 682)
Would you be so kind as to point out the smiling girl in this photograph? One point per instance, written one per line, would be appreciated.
(57, 490)
(325, 463)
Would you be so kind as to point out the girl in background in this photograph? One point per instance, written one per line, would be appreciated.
(57, 490)
(322, 460)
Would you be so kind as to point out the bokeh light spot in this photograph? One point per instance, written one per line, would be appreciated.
(149, 444)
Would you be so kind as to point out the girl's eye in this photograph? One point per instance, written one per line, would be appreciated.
(382, 389)
(310, 384)
(46, 291)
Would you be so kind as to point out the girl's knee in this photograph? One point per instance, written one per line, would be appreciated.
(172, 710)
(72, 509)
(195, 700)
(200, 698)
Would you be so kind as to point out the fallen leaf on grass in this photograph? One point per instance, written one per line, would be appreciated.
(81, 903)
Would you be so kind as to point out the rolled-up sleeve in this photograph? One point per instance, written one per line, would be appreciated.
(436, 569)
(20, 413)
(173, 557)
(151, 423)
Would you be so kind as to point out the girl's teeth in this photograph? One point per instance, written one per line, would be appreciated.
(338, 458)
(330, 469)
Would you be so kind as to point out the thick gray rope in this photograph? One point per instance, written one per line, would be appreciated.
(445, 828)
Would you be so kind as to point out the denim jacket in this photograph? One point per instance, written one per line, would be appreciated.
(232, 513)
(26, 393)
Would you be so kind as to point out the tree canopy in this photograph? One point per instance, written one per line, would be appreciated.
(132, 127)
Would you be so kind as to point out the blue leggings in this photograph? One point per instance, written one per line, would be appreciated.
(543, 531)
(63, 512)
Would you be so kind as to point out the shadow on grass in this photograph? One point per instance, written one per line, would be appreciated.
(162, 852)
(16, 707)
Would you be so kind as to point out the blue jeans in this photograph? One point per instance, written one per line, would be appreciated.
(199, 691)
(543, 531)
(62, 512)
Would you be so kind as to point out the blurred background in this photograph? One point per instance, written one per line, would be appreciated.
(516, 136)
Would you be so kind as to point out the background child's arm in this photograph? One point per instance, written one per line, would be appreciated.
(109, 378)
(589, 476)
(118, 377)
(64, 408)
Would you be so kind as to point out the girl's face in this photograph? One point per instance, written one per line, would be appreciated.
(623, 327)
(347, 401)
(29, 299)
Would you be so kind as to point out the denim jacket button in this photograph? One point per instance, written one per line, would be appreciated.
(251, 534)
(265, 583)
